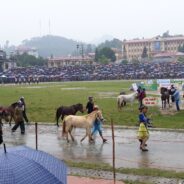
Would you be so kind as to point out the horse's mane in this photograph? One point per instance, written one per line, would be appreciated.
(87, 115)
(14, 104)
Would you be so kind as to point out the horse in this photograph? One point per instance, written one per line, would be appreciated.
(123, 102)
(65, 110)
(11, 109)
(4, 114)
(165, 95)
(85, 121)
(126, 98)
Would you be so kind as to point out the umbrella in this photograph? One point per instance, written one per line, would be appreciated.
(22, 165)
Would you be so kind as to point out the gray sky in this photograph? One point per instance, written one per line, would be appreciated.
(85, 20)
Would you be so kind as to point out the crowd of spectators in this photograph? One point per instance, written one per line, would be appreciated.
(94, 72)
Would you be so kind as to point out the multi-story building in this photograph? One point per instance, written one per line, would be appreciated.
(66, 61)
(133, 49)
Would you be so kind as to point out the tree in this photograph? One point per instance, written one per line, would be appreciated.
(144, 53)
(115, 43)
(166, 34)
(106, 52)
(181, 48)
(97, 54)
(25, 60)
(103, 60)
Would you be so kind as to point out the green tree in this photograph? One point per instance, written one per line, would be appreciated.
(115, 43)
(97, 54)
(25, 60)
(103, 60)
(144, 53)
(106, 52)
(166, 34)
(181, 48)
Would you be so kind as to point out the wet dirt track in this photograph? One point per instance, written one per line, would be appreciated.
(165, 148)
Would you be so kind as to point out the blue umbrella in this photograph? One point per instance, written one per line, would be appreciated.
(23, 165)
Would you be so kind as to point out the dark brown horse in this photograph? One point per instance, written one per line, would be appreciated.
(165, 95)
(7, 112)
(68, 110)
(4, 114)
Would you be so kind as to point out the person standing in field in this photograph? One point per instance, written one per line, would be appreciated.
(24, 109)
(90, 105)
(143, 133)
(172, 91)
(176, 97)
(141, 95)
(19, 118)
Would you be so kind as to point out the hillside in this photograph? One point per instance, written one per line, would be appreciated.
(52, 45)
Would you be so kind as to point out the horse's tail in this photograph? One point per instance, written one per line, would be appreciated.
(119, 103)
(58, 114)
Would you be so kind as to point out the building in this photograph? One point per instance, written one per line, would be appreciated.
(5, 63)
(30, 51)
(118, 54)
(133, 49)
(67, 61)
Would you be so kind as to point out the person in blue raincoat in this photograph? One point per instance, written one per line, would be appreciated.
(97, 126)
(176, 96)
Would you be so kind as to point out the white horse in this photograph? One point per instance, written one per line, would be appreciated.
(126, 98)
(85, 121)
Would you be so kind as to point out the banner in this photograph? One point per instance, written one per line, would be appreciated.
(150, 101)
(150, 85)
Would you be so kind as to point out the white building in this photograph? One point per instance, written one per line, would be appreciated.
(66, 61)
(30, 51)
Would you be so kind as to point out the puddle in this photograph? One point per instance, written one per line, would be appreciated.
(77, 88)
(108, 94)
(165, 148)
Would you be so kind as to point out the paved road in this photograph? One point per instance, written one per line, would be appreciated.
(165, 148)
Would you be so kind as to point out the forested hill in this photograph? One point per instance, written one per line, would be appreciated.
(52, 45)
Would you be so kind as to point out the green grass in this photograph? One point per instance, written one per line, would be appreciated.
(43, 99)
(141, 171)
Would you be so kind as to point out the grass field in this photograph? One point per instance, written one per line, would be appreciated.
(43, 99)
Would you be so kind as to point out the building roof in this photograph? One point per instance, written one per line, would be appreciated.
(72, 58)
(168, 54)
(155, 39)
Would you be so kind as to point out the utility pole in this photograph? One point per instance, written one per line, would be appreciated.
(80, 47)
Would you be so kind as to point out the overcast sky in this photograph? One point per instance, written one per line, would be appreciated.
(85, 20)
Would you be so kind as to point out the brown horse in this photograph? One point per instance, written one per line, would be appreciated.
(4, 114)
(7, 112)
(68, 110)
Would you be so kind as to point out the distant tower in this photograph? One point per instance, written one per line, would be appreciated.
(40, 27)
(49, 27)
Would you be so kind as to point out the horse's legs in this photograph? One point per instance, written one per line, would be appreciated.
(88, 132)
(67, 136)
(162, 104)
(84, 137)
(10, 120)
(70, 132)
